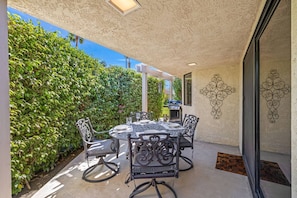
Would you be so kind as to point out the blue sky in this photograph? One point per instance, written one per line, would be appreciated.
(97, 51)
(94, 50)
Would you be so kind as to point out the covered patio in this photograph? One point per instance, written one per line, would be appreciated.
(204, 180)
(202, 42)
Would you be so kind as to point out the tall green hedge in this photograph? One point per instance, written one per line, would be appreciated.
(51, 86)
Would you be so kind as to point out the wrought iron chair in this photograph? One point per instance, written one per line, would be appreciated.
(143, 115)
(97, 148)
(186, 141)
(153, 155)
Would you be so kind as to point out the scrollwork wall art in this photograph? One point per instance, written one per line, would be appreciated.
(216, 90)
(272, 90)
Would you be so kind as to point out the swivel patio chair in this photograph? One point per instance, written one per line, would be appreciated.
(186, 141)
(99, 149)
(152, 156)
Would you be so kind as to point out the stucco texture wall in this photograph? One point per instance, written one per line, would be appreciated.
(215, 98)
(294, 97)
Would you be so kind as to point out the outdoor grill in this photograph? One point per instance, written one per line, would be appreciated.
(175, 112)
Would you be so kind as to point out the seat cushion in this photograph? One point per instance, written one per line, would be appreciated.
(101, 148)
(184, 143)
(154, 171)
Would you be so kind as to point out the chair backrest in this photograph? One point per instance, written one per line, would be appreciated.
(87, 134)
(143, 115)
(85, 129)
(189, 123)
(153, 155)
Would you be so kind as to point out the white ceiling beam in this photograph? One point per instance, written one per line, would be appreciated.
(143, 68)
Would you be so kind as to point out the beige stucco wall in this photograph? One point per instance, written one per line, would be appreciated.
(294, 97)
(276, 137)
(224, 130)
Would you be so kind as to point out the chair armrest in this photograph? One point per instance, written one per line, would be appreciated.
(100, 132)
(91, 143)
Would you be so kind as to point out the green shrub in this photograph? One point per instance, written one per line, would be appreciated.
(51, 86)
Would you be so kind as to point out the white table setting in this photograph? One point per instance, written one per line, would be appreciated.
(145, 126)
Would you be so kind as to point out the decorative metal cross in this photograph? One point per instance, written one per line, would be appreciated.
(216, 90)
(273, 89)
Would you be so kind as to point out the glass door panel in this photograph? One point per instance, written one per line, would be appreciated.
(275, 104)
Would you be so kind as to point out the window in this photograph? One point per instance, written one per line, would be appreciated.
(188, 89)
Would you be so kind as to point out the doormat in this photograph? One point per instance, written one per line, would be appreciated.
(270, 171)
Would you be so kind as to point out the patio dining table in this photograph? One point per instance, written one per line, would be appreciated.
(145, 126)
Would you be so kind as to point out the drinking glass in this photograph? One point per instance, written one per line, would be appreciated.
(128, 120)
(165, 117)
(161, 120)
(137, 116)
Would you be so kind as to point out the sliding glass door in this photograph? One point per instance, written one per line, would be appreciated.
(275, 103)
(266, 103)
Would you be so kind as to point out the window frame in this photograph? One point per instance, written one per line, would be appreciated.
(188, 89)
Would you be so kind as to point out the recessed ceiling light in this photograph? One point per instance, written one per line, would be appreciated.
(192, 64)
(124, 6)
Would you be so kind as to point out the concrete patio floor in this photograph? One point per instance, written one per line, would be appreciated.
(204, 180)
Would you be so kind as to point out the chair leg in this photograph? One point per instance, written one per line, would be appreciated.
(144, 186)
(140, 188)
(165, 184)
(188, 161)
(110, 165)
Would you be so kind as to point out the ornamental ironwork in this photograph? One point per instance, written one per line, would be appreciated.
(272, 90)
(216, 90)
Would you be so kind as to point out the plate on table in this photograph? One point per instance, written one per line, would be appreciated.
(173, 125)
(121, 127)
(144, 121)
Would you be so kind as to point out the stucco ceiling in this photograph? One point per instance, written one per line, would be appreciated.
(166, 34)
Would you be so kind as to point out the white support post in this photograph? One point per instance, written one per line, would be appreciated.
(170, 90)
(5, 171)
(144, 88)
(145, 70)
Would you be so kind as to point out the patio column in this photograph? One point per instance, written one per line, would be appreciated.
(144, 88)
(170, 90)
(145, 70)
(5, 172)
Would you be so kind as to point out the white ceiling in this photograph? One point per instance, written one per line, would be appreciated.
(166, 34)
